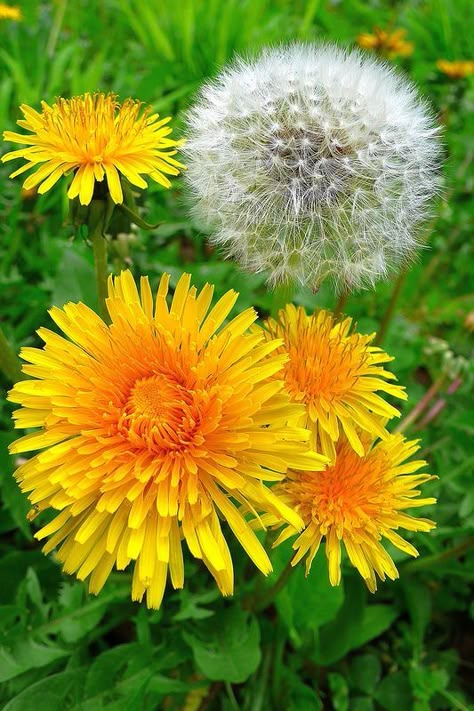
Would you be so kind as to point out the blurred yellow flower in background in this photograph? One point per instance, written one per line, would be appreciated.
(152, 429)
(336, 373)
(357, 501)
(388, 44)
(95, 137)
(10, 12)
(456, 70)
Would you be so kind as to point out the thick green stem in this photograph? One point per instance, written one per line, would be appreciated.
(9, 362)
(390, 310)
(282, 295)
(432, 561)
(262, 601)
(99, 245)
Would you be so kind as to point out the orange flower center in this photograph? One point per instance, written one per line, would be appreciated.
(162, 415)
(350, 495)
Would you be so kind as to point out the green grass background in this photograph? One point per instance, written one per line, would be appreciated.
(411, 645)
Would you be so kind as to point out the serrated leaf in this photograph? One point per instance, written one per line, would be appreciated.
(26, 654)
(71, 599)
(191, 605)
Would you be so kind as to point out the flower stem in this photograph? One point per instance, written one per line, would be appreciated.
(432, 561)
(282, 295)
(341, 302)
(421, 405)
(9, 362)
(99, 246)
(389, 311)
(262, 601)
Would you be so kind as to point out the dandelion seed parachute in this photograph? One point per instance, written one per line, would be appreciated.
(151, 427)
(312, 162)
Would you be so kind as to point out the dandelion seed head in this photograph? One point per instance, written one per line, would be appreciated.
(312, 162)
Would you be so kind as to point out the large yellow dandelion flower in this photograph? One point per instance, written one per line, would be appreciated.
(97, 137)
(151, 427)
(387, 43)
(10, 12)
(335, 373)
(358, 501)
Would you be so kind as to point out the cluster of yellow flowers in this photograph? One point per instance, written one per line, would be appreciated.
(458, 69)
(392, 43)
(170, 419)
(159, 425)
(388, 44)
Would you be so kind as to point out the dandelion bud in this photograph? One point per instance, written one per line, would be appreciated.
(311, 162)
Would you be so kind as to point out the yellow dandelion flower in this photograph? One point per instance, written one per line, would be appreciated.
(335, 373)
(96, 137)
(10, 12)
(389, 44)
(456, 70)
(358, 501)
(152, 428)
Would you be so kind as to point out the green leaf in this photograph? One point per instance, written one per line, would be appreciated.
(426, 682)
(72, 598)
(229, 649)
(394, 692)
(417, 598)
(108, 667)
(49, 693)
(191, 605)
(26, 654)
(14, 500)
(356, 624)
(339, 691)
(375, 620)
(75, 279)
(365, 672)
(303, 698)
(13, 567)
(305, 603)
(362, 703)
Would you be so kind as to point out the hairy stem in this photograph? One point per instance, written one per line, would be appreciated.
(99, 246)
(9, 362)
(390, 310)
(432, 561)
(341, 302)
(421, 405)
(259, 602)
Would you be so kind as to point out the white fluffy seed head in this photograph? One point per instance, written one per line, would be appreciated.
(312, 162)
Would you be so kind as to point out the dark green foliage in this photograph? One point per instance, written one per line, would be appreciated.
(408, 647)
